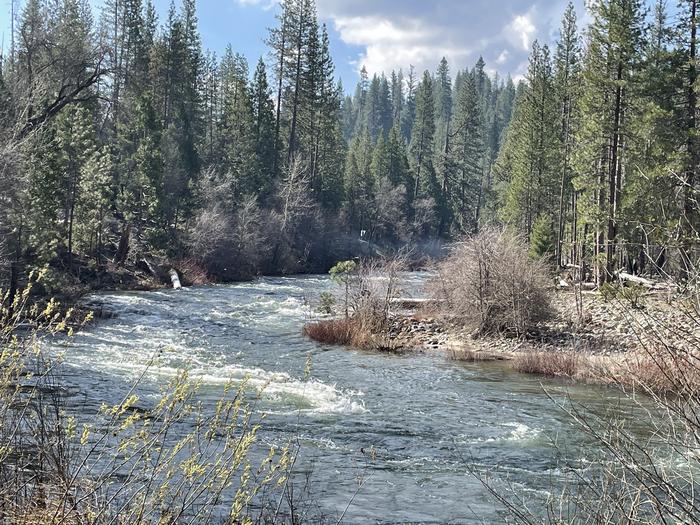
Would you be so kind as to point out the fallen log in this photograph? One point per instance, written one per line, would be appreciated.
(627, 277)
(410, 303)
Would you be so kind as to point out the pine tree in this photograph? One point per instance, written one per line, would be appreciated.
(422, 141)
(408, 116)
(397, 97)
(688, 45)
(263, 134)
(93, 204)
(468, 151)
(278, 42)
(359, 183)
(566, 84)
(612, 61)
(527, 160)
(76, 142)
(237, 129)
(329, 148)
(542, 239)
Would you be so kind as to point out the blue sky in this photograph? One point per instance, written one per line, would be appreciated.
(387, 34)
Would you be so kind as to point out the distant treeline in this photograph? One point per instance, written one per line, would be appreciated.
(122, 138)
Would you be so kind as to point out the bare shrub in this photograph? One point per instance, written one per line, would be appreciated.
(491, 285)
(194, 274)
(372, 289)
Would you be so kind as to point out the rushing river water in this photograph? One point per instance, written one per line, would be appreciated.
(429, 419)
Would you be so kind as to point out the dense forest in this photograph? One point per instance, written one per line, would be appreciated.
(122, 139)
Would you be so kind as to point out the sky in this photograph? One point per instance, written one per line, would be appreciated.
(387, 34)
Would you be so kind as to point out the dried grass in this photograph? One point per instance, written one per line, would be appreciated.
(332, 331)
(551, 364)
(348, 332)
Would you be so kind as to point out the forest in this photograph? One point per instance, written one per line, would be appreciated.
(545, 369)
(121, 139)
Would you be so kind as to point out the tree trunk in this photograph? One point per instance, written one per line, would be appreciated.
(297, 87)
(614, 179)
(566, 124)
(280, 85)
(123, 249)
(693, 155)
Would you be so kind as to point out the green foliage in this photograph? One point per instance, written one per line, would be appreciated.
(542, 238)
(326, 303)
(341, 272)
(630, 293)
(609, 291)
(168, 135)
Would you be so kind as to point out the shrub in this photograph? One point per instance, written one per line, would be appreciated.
(491, 285)
(552, 364)
(331, 331)
(193, 273)
(326, 303)
(632, 294)
(609, 291)
(175, 460)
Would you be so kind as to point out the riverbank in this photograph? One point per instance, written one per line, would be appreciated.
(612, 341)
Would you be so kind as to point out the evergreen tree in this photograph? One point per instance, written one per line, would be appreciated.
(422, 140)
(542, 240)
(468, 153)
(527, 161)
(409, 110)
(237, 134)
(359, 182)
(566, 84)
(612, 62)
(328, 145)
(263, 134)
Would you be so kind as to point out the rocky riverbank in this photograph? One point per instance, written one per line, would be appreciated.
(605, 332)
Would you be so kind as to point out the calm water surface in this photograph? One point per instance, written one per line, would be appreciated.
(429, 419)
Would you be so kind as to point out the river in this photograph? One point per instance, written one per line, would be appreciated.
(429, 419)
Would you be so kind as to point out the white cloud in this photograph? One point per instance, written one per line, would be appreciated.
(388, 34)
(521, 30)
(393, 44)
(503, 57)
(265, 4)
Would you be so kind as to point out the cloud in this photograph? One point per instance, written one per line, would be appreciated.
(264, 4)
(521, 30)
(503, 57)
(389, 34)
(393, 44)
(396, 33)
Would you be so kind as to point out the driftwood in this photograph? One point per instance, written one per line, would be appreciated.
(410, 303)
(175, 279)
(627, 277)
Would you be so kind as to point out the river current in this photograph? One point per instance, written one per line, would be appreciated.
(429, 420)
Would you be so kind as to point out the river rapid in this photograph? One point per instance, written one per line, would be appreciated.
(430, 420)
